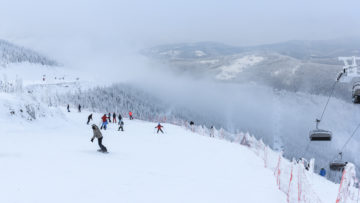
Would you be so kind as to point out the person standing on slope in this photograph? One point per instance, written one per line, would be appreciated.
(212, 131)
(159, 128)
(121, 125)
(120, 117)
(98, 135)
(323, 172)
(109, 117)
(114, 117)
(79, 108)
(89, 118)
(104, 122)
(68, 108)
(130, 115)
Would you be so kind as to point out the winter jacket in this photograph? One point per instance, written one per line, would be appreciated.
(120, 117)
(159, 126)
(130, 113)
(96, 131)
(104, 118)
(322, 172)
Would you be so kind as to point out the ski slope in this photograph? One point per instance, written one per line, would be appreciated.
(52, 160)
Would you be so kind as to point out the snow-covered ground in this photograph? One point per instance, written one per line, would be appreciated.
(53, 160)
(230, 71)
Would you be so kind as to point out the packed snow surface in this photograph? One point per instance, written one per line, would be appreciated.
(53, 160)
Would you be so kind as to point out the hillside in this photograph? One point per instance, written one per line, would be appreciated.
(11, 53)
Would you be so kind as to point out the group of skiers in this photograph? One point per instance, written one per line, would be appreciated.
(105, 119)
(97, 133)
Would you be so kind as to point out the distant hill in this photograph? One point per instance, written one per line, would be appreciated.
(11, 53)
(298, 66)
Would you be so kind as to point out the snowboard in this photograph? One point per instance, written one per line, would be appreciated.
(105, 152)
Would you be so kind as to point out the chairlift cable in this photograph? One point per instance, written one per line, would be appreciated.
(328, 100)
(348, 140)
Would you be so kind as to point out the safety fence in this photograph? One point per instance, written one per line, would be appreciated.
(349, 189)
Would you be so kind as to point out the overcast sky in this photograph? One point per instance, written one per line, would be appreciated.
(107, 24)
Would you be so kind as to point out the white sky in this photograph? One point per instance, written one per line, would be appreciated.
(108, 25)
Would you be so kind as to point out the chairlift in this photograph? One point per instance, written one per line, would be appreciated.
(319, 134)
(356, 93)
(338, 165)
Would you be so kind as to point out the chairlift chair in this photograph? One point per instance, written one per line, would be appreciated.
(319, 134)
(338, 165)
(356, 93)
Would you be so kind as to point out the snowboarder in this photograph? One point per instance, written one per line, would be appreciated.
(109, 117)
(322, 172)
(121, 125)
(120, 117)
(130, 115)
(79, 108)
(104, 122)
(159, 126)
(89, 118)
(68, 108)
(114, 117)
(98, 135)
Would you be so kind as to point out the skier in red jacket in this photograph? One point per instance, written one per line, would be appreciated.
(105, 122)
(130, 115)
(159, 126)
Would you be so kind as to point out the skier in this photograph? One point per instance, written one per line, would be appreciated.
(212, 131)
(89, 118)
(121, 125)
(159, 126)
(130, 115)
(98, 135)
(109, 117)
(79, 108)
(114, 117)
(120, 117)
(322, 172)
(192, 125)
(104, 120)
(68, 108)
